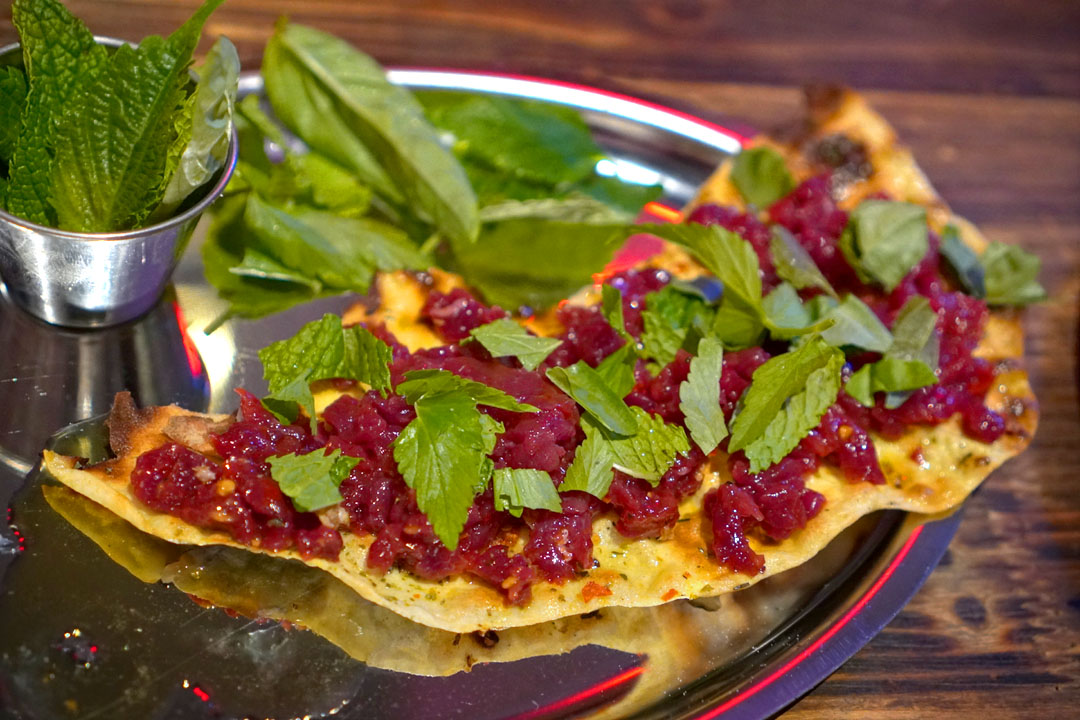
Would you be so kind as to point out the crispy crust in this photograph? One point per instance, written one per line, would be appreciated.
(929, 470)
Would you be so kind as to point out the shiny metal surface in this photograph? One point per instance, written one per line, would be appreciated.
(94, 279)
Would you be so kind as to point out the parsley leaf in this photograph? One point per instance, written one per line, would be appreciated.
(442, 454)
(429, 383)
(761, 176)
(964, 261)
(312, 480)
(516, 489)
(856, 325)
(699, 396)
(885, 240)
(764, 422)
(793, 262)
(1011, 275)
(321, 350)
(589, 390)
(504, 337)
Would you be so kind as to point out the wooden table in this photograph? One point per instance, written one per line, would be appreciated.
(988, 96)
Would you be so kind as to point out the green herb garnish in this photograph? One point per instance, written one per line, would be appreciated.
(699, 396)
(506, 338)
(885, 240)
(589, 390)
(761, 176)
(516, 489)
(311, 481)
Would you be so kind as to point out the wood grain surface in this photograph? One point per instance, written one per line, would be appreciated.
(988, 96)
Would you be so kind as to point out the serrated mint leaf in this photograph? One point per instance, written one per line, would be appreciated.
(761, 176)
(885, 240)
(794, 264)
(209, 124)
(611, 307)
(773, 384)
(593, 467)
(13, 89)
(429, 383)
(355, 102)
(110, 146)
(673, 320)
(617, 370)
(800, 414)
(442, 454)
(589, 390)
(505, 338)
(646, 454)
(890, 375)
(964, 262)
(311, 481)
(519, 488)
(61, 57)
(725, 254)
(855, 324)
(699, 396)
(1011, 275)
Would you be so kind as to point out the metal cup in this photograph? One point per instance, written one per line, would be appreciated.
(95, 279)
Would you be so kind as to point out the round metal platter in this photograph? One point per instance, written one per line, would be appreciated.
(81, 637)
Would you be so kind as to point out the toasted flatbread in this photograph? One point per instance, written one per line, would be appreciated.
(929, 470)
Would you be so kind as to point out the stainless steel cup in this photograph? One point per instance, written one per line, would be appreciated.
(95, 279)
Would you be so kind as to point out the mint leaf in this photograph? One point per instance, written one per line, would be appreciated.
(673, 320)
(964, 262)
(258, 266)
(205, 145)
(885, 240)
(429, 383)
(649, 452)
(785, 311)
(761, 176)
(914, 336)
(1011, 275)
(442, 454)
(794, 264)
(312, 480)
(322, 350)
(575, 208)
(890, 374)
(592, 468)
(773, 384)
(13, 89)
(61, 57)
(516, 489)
(111, 145)
(800, 414)
(617, 370)
(699, 396)
(723, 253)
(504, 337)
(855, 324)
(589, 390)
(611, 307)
(535, 263)
(365, 241)
(355, 100)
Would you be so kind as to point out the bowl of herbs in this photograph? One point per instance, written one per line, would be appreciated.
(110, 152)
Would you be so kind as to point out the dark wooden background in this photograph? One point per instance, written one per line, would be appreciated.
(988, 96)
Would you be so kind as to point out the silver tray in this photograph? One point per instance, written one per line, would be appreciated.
(147, 651)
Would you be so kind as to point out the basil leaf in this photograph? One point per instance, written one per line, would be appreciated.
(855, 324)
(772, 385)
(504, 337)
(365, 241)
(794, 264)
(258, 266)
(1011, 275)
(800, 414)
(516, 489)
(429, 383)
(885, 240)
(311, 481)
(699, 396)
(61, 58)
(617, 370)
(611, 306)
(576, 209)
(442, 454)
(649, 452)
(589, 390)
(592, 468)
(355, 98)
(964, 262)
(761, 176)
